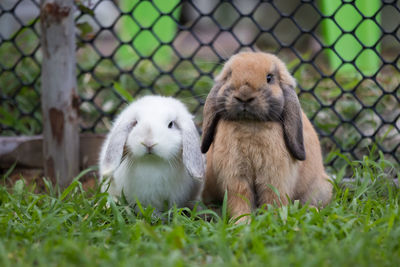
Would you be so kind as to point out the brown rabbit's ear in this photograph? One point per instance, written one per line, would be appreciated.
(210, 118)
(292, 123)
(285, 78)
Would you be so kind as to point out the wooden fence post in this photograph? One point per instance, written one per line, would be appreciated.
(60, 102)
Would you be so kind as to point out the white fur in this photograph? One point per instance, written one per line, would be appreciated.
(164, 176)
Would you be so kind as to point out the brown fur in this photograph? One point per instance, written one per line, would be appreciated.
(247, 152)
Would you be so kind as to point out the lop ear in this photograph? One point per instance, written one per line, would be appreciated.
(210, 118)
(114, 146)
(292, 123)
(192, 157)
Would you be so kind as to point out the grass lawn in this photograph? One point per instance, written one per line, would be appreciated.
(361, 227)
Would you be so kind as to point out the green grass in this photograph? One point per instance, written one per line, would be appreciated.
(361, 227)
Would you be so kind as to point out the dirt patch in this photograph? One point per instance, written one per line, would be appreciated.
(35, 178)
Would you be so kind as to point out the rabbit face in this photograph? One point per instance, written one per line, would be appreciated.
(155, 133)
(155, 128)
(255, 86)
(251, 89)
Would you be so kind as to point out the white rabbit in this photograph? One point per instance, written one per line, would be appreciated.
(152, 154)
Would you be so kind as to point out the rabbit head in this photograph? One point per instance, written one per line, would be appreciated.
(255, 86)
(156, 128)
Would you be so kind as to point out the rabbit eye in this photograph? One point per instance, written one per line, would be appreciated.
(270, 77)
(171, 124)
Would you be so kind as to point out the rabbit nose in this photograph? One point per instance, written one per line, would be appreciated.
(148, 146)
(244, 99)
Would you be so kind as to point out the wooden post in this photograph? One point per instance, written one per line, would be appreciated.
(60, 102)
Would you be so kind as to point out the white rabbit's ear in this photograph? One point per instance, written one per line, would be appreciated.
(191, 154)
(115, 146)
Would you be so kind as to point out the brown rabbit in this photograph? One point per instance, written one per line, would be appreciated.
(258, 138)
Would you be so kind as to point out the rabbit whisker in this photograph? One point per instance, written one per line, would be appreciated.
(174, 162)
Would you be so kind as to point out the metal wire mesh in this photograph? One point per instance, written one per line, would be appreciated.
(345, 57)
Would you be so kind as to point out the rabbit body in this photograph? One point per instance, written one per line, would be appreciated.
(156, 182)
(258, 139)
(152, 154)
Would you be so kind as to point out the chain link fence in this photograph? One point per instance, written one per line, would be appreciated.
(344, 55)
